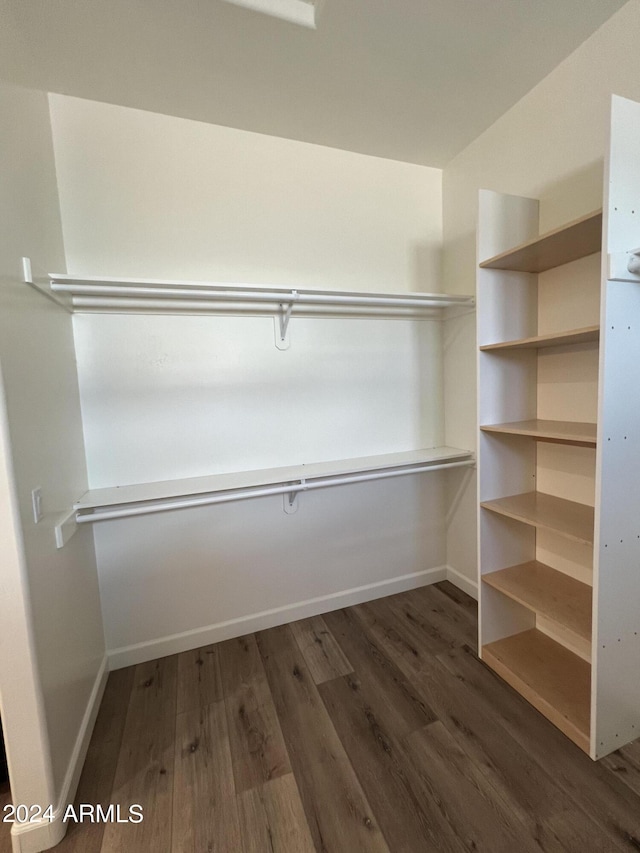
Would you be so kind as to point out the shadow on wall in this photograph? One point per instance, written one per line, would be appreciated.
(573, 195)
(424, 267)
(561, 200)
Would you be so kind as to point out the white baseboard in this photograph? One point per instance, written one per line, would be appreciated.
(171, 645)
(35, 837)
(462, 582)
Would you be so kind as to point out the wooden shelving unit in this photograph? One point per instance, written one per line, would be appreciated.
(559, 543)
(562, 604)
(559, 432)
(586, 335)
(553, 679)
(569, 518)
(572, 241)
(549, 663)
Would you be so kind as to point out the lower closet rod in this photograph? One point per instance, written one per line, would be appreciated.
(291, 488)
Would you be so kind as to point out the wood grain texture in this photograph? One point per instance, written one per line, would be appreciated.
(205, 814)
(257, 747)
(571, 519)
(558, 598)
(592, 800)
(199, 681)
(449, 777)
(456, 625)
(99, 770)
(5, 828)
(576, 239)
(516, 774)
(517, 779)
(625, 765)
(408, 820)
(461, 601)
(402, 709)
(584, 335)
(338, 813)
(322, 654)
(555, 681)
(144, 774)
(558, 432)
(272, 819)
(395, 628)
(422, 621)
(485, 772)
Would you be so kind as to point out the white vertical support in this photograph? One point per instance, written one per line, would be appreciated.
(506, 310)
(615, 711)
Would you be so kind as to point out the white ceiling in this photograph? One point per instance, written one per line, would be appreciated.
(413, 80)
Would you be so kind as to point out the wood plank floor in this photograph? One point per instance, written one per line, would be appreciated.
(5, 799)
(373, 728)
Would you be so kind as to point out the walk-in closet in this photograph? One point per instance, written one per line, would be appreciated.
(319, 334)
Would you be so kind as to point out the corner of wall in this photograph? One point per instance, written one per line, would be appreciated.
(52, 597)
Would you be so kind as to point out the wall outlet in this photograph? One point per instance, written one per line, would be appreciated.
(36, 502)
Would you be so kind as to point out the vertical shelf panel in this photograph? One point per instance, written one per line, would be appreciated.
(616, 685)
(506, 311)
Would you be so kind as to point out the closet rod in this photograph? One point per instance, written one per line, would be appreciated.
(198, 306)
(288, 488)
(293, 296)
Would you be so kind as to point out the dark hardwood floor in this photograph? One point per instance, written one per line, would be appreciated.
(373, 728)
(5, 799)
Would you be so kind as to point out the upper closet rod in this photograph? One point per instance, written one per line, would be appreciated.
(295, 297)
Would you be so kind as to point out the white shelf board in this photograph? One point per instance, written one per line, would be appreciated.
(213, 483)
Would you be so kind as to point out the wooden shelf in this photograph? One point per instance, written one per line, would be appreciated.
(562, 604)
(558, 432)
(552, 679)
(571, 519)
(585, 335)
(214, 483)
(576, 239)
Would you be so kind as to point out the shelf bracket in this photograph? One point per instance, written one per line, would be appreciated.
(41, 284)
(283, 339)
(65, 528)
(290, 499)
(290, 503)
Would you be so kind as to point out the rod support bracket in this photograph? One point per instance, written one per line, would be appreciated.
(65, 527)
(42, 285)
(290, 503)
(283, 338)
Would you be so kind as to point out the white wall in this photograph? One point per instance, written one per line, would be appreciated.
(550, 145)
(166, 397)
(55, 591)
(161, 197)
